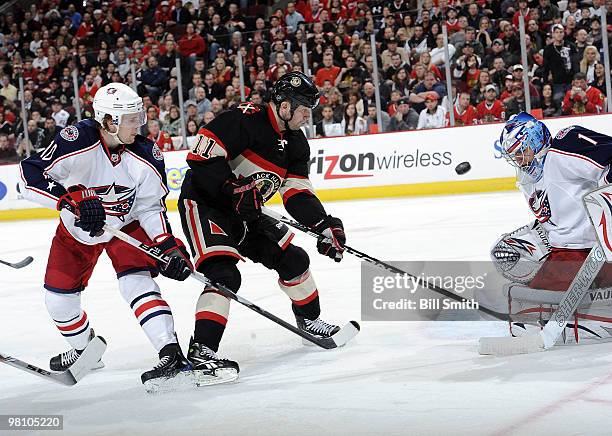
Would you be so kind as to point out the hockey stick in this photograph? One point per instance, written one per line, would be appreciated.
(346, 333)
(79, 369)
(379, 263)
(25, 262)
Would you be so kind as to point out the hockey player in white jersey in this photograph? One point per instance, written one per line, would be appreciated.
(543, 257)
(101, 171)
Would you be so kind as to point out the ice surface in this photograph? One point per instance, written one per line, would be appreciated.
(393, 379)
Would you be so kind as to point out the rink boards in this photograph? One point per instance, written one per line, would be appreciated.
(369, 166)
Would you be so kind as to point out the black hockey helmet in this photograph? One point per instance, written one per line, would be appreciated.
(298, 88)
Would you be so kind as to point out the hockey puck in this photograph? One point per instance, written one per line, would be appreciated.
(463, 168)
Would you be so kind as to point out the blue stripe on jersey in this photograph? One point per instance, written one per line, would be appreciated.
(154, 314)
(77, 333)
(64, 291)
(146, 294)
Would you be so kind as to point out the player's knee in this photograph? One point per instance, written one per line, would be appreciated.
(293, 262)
(136, 284)
(62, 306)
(223, 270)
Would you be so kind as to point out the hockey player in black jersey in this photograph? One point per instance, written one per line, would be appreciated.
(239, 160)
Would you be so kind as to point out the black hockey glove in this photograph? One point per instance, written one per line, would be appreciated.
(87, 207)
(331, 243)
(179, 267)
(246, 198)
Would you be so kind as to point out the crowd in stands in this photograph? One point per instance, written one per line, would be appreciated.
(104, 41)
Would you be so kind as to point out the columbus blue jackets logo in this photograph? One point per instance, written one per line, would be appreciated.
(69, 133)
(157, 153)
(561, 133)
(540, 206)
(116, 199)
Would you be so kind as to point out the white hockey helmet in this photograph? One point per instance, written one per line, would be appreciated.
(122, 103)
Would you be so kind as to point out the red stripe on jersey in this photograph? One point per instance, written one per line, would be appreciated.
(212, 316)
(31, 188)
(291, 192)
(204, 131)
(287, 242)
(85, 150)
(273, 120)
(194, 228)
(263, 163)
(149, 305)
(306, 300)
(579, 156)
(74, 326)
(294, 282)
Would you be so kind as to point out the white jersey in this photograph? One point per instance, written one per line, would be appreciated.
(130, 180)
(577, 162)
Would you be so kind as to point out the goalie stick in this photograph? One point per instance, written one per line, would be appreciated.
(379, 263)
(346, 333)
(25, 262)
(79, 369)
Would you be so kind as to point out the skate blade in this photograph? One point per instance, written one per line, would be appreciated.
(188, 380)
(221, 375)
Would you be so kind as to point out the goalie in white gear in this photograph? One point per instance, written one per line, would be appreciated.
(542, 259)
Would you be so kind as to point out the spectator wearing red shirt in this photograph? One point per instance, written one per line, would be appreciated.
(490, 110)
(581, 98)
(88, 90)
(327, 72)
(191, 44)
(163, 14)
(465, 113)
(86, 29)
(162, 139)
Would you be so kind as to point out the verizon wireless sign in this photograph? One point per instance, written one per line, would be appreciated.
(386, 159)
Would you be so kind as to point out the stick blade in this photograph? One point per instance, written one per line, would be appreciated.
(346, 333)
(88, 358)
(509, 346)
(25, 262)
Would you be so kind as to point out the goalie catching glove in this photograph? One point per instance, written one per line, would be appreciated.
(179, 266)
(332, 240)
(87, 206)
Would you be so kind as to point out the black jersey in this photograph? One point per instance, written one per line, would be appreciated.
(247, 142)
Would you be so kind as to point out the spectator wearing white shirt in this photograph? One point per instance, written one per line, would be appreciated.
(40, 62)
(59, 114)
(433, 116)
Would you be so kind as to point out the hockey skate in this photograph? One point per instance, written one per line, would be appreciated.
(171, 373)
(317, 328)
(208, 368)
(64, 361)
